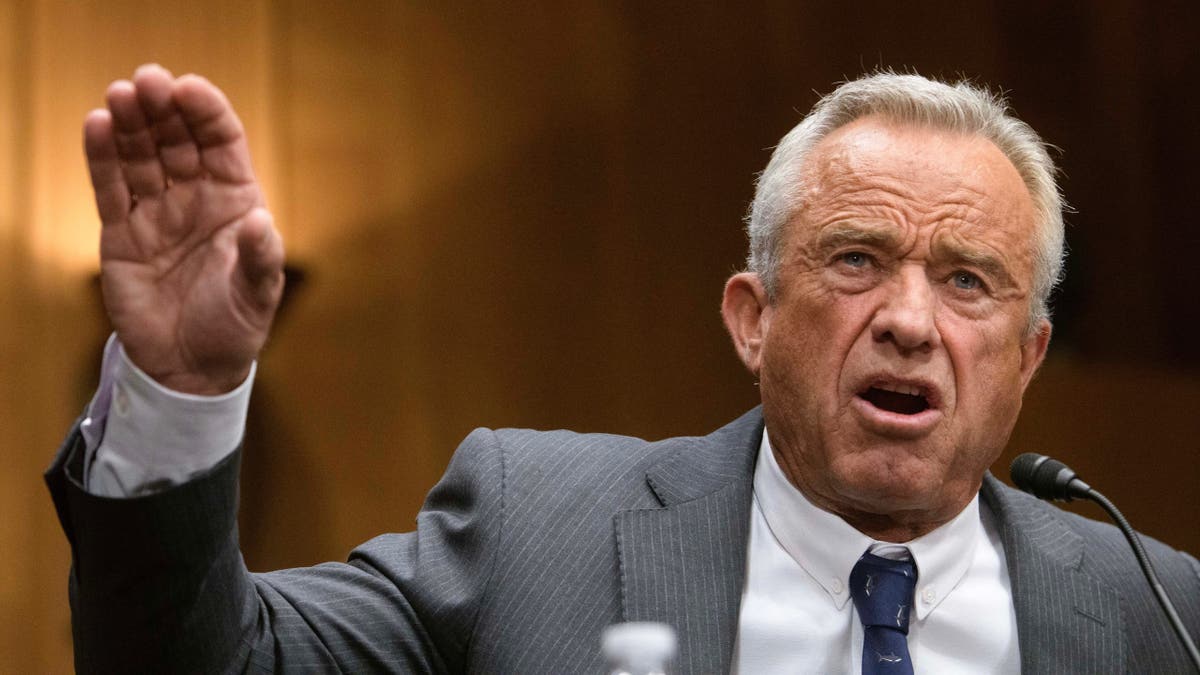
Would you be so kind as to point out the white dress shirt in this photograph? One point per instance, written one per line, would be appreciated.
(141, 437)
(797, 616)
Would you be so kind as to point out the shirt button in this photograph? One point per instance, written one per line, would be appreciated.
(121, 402)
(928, 595)
(837, 586)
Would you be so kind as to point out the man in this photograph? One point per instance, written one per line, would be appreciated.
(904, 239)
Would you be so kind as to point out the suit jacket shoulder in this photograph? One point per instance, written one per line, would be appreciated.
(599, 529)
(1082, 603)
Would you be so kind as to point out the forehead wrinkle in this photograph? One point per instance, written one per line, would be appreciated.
(964, 203)
(858, 193)
(842, 183)
(843, 173)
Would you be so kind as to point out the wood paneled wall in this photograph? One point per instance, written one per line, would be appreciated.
(56, 58)
(514, 216)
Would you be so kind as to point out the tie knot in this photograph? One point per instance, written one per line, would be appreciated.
(882, 590)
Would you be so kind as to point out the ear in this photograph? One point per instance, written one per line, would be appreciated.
(747, 313)
(1033, 351)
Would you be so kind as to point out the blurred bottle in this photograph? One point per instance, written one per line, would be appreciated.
(638, 648)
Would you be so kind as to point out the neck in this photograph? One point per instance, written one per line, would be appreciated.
(876, 518)
(885, 527)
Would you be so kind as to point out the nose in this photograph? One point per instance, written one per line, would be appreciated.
(906, 315)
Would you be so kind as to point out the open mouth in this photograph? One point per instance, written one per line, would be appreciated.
(900, 399)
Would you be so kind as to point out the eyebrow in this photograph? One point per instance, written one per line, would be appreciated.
(846, 234)
(981, 260)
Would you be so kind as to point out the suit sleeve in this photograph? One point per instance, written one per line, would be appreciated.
(158, 584)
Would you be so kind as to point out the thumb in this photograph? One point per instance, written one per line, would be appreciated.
(260, 256)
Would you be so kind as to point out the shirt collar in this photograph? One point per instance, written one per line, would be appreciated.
(942, 556)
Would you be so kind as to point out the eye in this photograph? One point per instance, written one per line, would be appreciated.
(855, 259)
(966, 281)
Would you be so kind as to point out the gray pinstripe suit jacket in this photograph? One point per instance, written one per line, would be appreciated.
(531, 543)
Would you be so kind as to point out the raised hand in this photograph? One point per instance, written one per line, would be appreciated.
(191, 263)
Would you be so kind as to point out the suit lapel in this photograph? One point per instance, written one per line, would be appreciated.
(1067, 619)
(684, 564)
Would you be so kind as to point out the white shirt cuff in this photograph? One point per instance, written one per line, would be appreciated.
(152, 438)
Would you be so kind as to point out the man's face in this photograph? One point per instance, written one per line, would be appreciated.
(894, 355)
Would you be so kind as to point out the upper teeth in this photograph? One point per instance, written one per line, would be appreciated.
(900, 389)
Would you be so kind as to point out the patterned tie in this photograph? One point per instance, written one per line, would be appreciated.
(882, 590)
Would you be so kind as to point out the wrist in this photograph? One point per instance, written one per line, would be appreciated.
(216, 382)
(197, 384)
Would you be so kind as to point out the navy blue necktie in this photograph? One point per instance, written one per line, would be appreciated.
(882, 590)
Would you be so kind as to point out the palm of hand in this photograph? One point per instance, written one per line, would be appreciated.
(170, 281)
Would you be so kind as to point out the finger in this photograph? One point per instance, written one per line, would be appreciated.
(261, 257)
(135, 144)
(104, 166)
(214, 125)
(177, 150)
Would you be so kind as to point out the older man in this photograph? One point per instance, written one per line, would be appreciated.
(904, 239)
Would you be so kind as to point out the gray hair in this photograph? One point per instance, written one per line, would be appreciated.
(913, 99)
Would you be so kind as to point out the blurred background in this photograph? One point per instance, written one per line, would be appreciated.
(522, 214)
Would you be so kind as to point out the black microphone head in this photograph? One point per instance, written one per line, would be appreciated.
(1046, 478)
(1023, 468)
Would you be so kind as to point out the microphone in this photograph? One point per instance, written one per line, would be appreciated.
(1047, 478)
(1050, 479)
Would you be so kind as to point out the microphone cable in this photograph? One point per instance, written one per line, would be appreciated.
(1050, 479)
